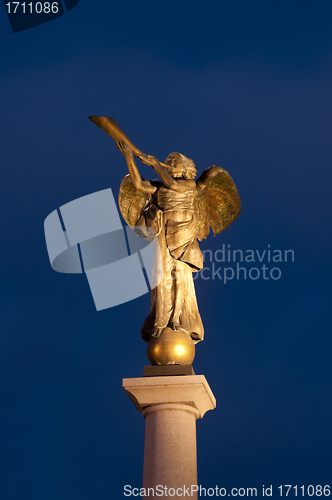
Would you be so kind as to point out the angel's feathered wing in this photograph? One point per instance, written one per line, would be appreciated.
(217, 203)
(131, 201)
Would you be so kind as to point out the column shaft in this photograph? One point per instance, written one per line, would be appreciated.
(170, 447)
(170, 406)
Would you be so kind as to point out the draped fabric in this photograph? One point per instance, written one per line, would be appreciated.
(171, 215)
(179, 219)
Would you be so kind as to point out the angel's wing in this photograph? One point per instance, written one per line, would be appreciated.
(131, 201)
(217, 203)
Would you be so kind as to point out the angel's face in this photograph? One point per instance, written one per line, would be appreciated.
(175, 165)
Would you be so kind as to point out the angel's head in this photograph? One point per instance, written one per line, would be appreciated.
(181, 166)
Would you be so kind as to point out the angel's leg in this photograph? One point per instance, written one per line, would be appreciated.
(179, 278)
(163, 298)
(163, 304)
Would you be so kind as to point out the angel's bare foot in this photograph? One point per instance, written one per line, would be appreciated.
(157, 332)
(175, 325)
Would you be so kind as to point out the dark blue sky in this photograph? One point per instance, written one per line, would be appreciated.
(246, 85)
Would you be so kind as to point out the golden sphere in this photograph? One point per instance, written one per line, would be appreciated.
(171, 348)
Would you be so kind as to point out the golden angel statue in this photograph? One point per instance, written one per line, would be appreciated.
(181, 211)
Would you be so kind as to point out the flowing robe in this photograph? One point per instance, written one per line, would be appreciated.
(171, 215)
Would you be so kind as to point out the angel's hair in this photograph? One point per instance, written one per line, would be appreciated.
(189, 167)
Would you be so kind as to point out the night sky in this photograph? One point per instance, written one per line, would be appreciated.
(246, 85)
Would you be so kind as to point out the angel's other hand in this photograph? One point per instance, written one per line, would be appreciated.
(152, 160)
(148, 160)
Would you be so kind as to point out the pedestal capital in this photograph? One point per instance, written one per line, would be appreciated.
(191, 390)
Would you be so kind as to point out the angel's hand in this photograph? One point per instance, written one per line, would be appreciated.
(121, 145)
(152, 160)
(149, 160)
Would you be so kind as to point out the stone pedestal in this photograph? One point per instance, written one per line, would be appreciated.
(170, 406)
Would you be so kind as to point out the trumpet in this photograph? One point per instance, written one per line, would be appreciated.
(108, 125)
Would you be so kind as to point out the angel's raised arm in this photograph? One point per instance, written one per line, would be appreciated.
(139, 183)
(126, 147)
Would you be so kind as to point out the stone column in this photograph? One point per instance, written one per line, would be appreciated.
(170, 406)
